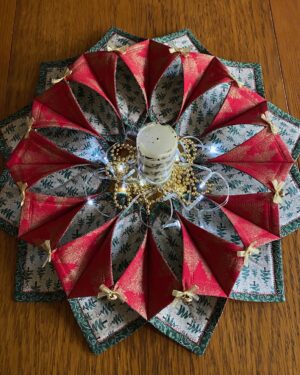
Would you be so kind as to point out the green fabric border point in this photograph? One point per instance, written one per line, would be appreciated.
(4, 149)
(88, 333)
(196, 348)
(21, 296)
(168, 37)
(289, 118)
(278, 278)
(44, 66)
(5, 225)
(295, 224)
(257, 69)
(109, 34)
(62, 63)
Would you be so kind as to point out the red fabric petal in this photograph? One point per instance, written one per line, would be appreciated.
(45, 217)
(147, 61)
(36, 157)
(148, 282)
(85, 263)
(97, 70)
(201, 72)
(264, 157)
(58, 107)
(209, 262)
(254, 216)
(241, 106)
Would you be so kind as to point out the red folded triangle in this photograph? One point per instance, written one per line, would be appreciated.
(58, 107)
(147, 61)
(148, 282)
(36, 157)
(201, 72)
(264, 157)
(85, 263)
(241, 106)
(97, 70)
(45, 217)
(209, 262)
(254, 216)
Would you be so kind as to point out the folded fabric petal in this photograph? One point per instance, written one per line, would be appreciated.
(97, 70)
(210, 264)
(58, 107)
(147, 283)
(37, 157)
(241, 106)
(264, 157)
(45, 217)
(255, 217)
(84, 264)
(147, 61)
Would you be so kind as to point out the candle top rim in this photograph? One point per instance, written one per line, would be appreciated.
(155, 140)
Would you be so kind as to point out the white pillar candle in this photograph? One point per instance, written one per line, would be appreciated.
(157, 147)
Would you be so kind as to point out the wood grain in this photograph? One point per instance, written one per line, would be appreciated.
(43, 338)
(7, 16)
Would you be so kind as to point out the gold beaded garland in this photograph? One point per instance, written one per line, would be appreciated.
(182, 181)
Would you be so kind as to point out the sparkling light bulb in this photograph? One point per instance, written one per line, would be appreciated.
(213, 149)
(142, 182)
(122, 188)
(90, 202)
(121, 168)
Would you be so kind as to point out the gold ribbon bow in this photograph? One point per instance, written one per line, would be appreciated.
(22, 187)
(187, 296)
(111, 295)
(46, 245)
(184, 51)
(250, 250)
(239, 83)
(272, 126)
(278, 188)
(29, 123)
(67, 72)
(121, 49)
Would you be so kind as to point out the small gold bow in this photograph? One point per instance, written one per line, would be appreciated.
(273, 127)
(278, 188)
(250, 250)
(46, 245)
(29, 123)
(187, 296)
(184, 51)
(238, 83)
(22, 187)
(111, 295)
(67, 72)
(121, 49)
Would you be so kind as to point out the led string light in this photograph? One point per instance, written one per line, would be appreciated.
(129, 186)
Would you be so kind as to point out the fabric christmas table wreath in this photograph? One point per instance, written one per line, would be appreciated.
(149, 181)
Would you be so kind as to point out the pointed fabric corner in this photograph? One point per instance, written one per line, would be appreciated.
(138, 59)
(265, 157)
(147, 283)
(254, 217)
(241, 106)
(201, 72)
(97, 70)
(45, 217)
(209, 262)
(85, 263)
(58, 107)
(37, 157)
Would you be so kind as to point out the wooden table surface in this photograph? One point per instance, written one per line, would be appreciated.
(251, 338)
